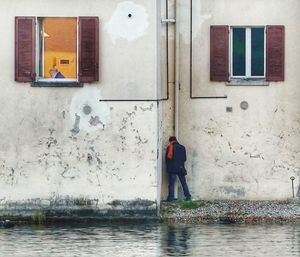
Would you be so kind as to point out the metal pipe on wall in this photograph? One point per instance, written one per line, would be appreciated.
(177, 80)
(191, 61)
(165, 21)
(177, 68)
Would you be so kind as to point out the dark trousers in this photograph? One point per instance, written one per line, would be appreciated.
(172, 178)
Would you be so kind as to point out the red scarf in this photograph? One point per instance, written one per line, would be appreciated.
(170, 151)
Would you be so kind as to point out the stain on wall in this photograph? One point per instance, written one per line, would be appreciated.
(87, 112)
(129, 21)
(109, 163)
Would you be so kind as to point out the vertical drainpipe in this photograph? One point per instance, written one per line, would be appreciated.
(177, 69)
(159, 106)
(177, 79)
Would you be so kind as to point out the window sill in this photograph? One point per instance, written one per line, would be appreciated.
(247, 82)
(56, 83)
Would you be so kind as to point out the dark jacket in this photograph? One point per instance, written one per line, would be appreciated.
(176, 164)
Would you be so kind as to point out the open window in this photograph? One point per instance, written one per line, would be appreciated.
(57, 50)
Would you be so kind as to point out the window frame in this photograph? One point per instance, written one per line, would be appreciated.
(247, 53)
(37, 45)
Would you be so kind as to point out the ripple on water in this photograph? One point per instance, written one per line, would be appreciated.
(151, 240)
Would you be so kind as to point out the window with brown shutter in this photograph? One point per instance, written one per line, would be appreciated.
(247, 52)
(275, 53)
(55, 63)
(256, 56)
(24, 49)
(219, 41)
(88, 49)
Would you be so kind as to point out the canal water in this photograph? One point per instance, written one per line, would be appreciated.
(129, 240)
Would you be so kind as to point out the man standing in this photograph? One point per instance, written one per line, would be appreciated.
(175, 158)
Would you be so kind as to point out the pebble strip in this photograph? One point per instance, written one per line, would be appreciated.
(233, 211)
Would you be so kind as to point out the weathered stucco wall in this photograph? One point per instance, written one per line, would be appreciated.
(61, 148)
(243, 154)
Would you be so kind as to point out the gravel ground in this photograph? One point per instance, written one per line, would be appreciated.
(229, 211)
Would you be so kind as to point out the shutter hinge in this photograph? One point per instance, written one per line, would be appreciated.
(165, 21)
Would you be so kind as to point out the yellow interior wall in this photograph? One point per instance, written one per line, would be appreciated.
(60, 43)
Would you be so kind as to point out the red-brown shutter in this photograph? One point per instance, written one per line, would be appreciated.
(25, 49)
(88, 49)
(275, 53)
(219, 51)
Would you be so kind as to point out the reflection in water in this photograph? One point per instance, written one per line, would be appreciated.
(129, 240)
(176, 240)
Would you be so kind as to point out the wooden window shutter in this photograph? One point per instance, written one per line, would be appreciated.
(219, 53)
(275, 53)
(25, 49)
(88, 49)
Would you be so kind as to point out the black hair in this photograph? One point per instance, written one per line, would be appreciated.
(172, 138)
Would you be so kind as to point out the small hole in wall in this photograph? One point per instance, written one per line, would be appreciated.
(129, 15)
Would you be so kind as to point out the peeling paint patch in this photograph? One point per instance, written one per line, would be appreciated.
(90, 158)
(147, 108)
(140, 140)
(69, 172)
(129, 21)
(11, 175)
(51, 142)
(94, 121)
(87, 112)
(257, 156)
(76, 129)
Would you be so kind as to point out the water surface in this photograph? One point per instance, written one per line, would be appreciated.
(129, 240)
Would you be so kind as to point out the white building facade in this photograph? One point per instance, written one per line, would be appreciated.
(239, 109)
(135, 72)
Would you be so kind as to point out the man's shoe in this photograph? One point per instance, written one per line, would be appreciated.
(188, 198)
(170, 199)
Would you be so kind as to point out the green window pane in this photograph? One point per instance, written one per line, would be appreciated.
(239, 52)
(257, 52)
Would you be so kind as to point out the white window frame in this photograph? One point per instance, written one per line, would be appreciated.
(248, 52)
(60, 80)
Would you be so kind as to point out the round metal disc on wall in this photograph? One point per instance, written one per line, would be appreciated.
(244, 105)
(87, 109)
